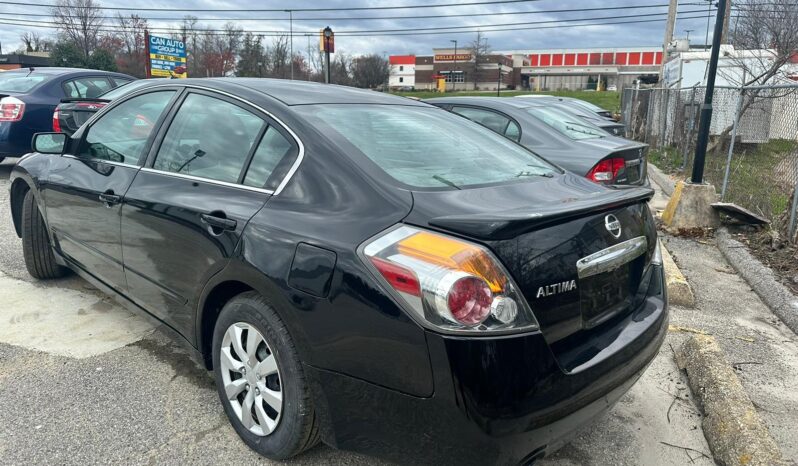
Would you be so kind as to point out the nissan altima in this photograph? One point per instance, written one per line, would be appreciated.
(355, 268)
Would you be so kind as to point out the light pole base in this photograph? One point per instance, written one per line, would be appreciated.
(690, 206)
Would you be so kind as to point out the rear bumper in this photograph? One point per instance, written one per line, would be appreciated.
(12, 143)
(496, 400)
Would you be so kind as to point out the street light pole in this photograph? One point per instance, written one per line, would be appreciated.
(454, 83)
(706, 109)
(499, 85)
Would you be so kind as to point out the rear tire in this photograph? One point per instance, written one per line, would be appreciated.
(36, 248)
(292, 427)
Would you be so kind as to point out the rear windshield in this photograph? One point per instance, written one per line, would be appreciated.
(588, 105)
(427, 147)
(21, 81)
(567, 124)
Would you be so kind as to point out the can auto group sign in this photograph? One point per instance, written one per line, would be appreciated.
(167, 58)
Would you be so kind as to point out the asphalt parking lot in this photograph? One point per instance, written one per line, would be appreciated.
(84, 381)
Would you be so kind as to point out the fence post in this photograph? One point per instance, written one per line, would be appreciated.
(686, 141)
(794, 213)
(731, 144)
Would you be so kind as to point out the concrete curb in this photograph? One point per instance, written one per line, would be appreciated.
(679, 291)
(664, 181)
(761, 279)
(731, 425)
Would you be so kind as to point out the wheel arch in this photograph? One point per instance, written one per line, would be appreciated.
(19, 188)
(239, 277)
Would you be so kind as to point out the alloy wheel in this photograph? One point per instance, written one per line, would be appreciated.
(251, 378)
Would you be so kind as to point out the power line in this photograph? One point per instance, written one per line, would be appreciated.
(373, 18)
(303, 34)
(249, 10)
(371, 31)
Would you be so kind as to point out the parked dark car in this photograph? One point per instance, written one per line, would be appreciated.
(558, 136)
(28, 97)
(356, 268)
(73, 112)
(573, 107)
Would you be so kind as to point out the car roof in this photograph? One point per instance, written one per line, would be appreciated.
(57, 71)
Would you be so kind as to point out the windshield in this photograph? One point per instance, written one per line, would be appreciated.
(427, 147)
(565, 123)
(123, 89)
(18, 81)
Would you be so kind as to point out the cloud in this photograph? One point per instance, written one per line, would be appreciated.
(620, 35)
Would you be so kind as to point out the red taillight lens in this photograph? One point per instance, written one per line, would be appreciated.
(606, 170)
(56, 123)
(400, 278)
(449, 283)
(11, 109)
(469, 300)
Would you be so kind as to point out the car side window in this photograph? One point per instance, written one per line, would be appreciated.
(121, 134)
(87, 88)
(487, 118)
(271, 150)
(209, 138)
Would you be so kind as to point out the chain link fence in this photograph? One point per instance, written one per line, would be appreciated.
(752, 157)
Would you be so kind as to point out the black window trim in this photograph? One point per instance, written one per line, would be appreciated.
(79, 143)
(487, 109)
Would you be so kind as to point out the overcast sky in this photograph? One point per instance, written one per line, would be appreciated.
(552, 36)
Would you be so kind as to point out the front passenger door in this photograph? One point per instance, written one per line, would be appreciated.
(84, 190)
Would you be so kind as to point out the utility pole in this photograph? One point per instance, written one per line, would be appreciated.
(706, 109)
(291, 39)
(726, 18)
(499, 84)
(674, 4)
(454, 83)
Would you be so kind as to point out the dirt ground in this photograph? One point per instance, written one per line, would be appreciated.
(776, 253)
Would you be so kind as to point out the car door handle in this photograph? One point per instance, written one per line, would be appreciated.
(109, 198)
(219, 222)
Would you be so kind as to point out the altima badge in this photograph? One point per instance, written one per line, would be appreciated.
(557, 288)
(613, 225)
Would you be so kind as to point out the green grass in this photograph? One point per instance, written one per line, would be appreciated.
(752, 179)
(607, 100)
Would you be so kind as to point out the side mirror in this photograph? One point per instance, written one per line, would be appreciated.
(49, 143)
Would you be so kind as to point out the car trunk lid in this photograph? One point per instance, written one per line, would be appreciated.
(579, 252)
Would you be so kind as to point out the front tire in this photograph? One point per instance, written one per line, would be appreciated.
(260, 379)
(36, 248)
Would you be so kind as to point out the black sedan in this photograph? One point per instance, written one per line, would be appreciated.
(355, 268)
(29, 96)
(557, 135)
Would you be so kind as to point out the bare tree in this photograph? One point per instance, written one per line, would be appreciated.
(35, 43)
(767, 26)
(370, 71)
(79, 21)
(480, 49)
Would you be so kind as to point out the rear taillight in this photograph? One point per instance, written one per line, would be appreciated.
(448, 283)
(11, 109)
(606, 171)
(56, 123)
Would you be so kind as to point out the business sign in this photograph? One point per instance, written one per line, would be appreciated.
(167, 58)
(452, 57)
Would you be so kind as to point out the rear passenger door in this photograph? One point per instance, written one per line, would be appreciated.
(88, 87)
(213, 166)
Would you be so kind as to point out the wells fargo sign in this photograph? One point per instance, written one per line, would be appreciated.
(452, 57)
